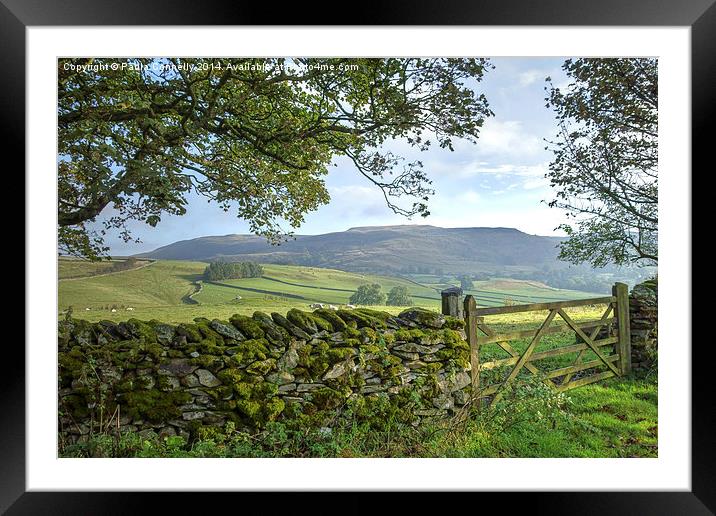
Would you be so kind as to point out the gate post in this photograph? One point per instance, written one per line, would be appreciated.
(451, 301)
(470, 308)
(621, 292)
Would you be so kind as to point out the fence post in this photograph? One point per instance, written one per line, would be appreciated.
(621, 292)
(451, 301)
(470, 308)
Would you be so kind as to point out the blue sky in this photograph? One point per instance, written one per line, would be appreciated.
(499, 181)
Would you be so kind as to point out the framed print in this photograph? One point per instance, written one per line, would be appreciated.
(368, 257)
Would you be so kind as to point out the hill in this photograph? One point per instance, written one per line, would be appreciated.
(383, 249)
(174, 291)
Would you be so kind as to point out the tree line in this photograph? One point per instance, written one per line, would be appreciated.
(220, 270)
(372, 294)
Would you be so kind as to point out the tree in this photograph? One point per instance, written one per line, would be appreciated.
(137, 136)
(604, 170)
(368, 295)
(399, 296)
(466, 282)
(220, 270)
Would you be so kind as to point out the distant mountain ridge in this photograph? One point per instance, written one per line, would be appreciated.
(382, 249)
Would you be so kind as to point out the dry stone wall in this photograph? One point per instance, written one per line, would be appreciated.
(148, 376)
(644, 318)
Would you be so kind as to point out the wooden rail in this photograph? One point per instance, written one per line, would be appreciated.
(608, 341)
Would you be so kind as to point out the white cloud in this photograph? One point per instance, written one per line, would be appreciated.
(529, 76)
(509, 137)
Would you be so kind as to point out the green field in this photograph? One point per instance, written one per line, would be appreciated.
(174, 291)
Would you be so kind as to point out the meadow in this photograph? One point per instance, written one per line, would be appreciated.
(174, 291)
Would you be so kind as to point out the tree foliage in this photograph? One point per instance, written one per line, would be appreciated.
(399, 296)
(232, 270)
(466, 282)
(368, 295)
(137, 136)
(604, 170)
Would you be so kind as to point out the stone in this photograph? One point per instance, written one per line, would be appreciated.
(207, 379)
(212, 418)
(261, 367)
(288, 361)
(370, 389)
(165, 333)
(416, 364)
(287, 325)
(280, 378)
(171, 383)
(194, 354)
(452, 383)
(307, 387)
(148, 434)
(226, 330)
(167, 431)
(147, 381)
(287, 387)
(178, 366)
(191, 416)
(406, 356)
(423, 317)
(339, 369)
(190, 380)
(374, 381)
(461, 397)
(411, 347)
(443, 402)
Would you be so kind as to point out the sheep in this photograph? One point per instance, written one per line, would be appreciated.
(129, 309)
(88, 309)
(113, 310)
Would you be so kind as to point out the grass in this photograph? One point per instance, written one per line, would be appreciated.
(160, 291)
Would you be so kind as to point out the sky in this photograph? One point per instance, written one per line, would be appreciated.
(497, 182)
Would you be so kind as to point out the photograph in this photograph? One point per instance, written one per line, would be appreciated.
(357, 257)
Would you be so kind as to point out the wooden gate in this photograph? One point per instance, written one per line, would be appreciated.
(601, 348)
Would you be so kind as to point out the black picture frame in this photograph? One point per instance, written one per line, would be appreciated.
(17, 15)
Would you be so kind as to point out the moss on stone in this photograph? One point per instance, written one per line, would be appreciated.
(337, 324)
(249, 351)
(326, 398)
(248, 326)
(405, 335)
(453, 323)
(339, 354)
(190, 331)
(153, 405)
(142, 330)
(274, 333)
(308, 322)
(261, 367)
(209, 333)
(361, 319)
(453, 339)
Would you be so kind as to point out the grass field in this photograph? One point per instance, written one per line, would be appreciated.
(161, 290)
